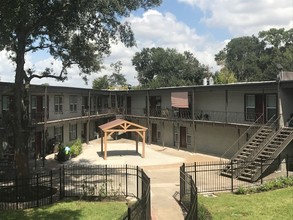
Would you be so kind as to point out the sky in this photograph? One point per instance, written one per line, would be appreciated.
(203, 27)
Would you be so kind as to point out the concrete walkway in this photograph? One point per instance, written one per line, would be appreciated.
(160, 163)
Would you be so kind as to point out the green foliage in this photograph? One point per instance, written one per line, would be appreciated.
(225, 77)
(278, 183)
(101, 82)
(76, 147)
(159, 67)
(253, 58)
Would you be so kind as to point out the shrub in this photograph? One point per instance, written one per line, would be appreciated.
(76, 148)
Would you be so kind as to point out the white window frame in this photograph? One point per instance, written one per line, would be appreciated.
(72, 132)
(274, 107)
(73, 103)
(58, 104)
(58, 133)
(247, 106)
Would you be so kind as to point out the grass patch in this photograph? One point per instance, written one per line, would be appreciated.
(70, 210)
(277, 204)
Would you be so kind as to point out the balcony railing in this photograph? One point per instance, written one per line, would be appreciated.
(164, 113)
(201, 115)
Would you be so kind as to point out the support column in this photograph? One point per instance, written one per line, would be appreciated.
(143, 144)
(137, 142)
(105, 145)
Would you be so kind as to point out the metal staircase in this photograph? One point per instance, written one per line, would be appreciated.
(251, 148)
(265, 157)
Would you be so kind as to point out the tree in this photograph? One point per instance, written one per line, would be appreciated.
(117, 78)
(114, 80)
(241, 56)
(75, 32)
(158, 67)
(277, 52)
(225, 76)
(101, 82)
(257, 58)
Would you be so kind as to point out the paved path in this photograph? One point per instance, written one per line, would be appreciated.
(160, 163)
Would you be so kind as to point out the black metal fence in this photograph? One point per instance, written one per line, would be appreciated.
(81, 182)
(33, 191)
(188, 195)
(209, 177)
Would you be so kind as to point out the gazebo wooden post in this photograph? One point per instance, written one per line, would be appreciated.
(105, 145)
(143, 144)
(102, 142)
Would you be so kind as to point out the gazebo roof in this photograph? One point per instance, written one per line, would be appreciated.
(121, 125)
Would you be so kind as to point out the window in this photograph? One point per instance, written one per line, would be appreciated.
(34, 107)
(59, 104)
(73, 103)
(72, 132)
(271, 106)
(58, 133)
(250, 107)
(5, 103)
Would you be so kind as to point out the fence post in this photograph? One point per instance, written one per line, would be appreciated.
(16, 190)
(195, 173)
(37, 190)
(232, 174)
(191, 192)
(287, 165)
(261, 169)
(106, 184)
(137, 181)
(126, 171)
(129, 213)
(60, 183)
(51, 187)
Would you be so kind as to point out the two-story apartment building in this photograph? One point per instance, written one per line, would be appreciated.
(212, 119)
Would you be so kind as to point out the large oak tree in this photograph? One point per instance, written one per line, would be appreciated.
(75, 32)
(159, 67)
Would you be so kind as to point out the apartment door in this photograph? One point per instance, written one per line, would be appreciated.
(183, 142)
(154, 133)
(259, 106)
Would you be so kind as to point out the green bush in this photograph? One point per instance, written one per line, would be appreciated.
(76, 148)
(278, 183)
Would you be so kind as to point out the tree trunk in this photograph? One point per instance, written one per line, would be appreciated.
(20, 122)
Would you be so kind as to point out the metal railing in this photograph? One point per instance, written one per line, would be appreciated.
(234, 148)
(207, 175)
(81, 182)
(188, 195)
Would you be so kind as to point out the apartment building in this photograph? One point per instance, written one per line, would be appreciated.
(213, 119)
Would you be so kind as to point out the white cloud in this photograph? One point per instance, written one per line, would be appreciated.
(154, 29)
(7, 68)
(245, 17)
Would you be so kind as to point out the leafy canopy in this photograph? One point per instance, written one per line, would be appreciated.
(76, 32)
(159, 67)
(253, 58)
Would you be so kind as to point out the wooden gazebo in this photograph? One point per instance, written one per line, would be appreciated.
(120, 125)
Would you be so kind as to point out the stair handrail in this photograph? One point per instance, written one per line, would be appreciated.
(256, 151)
(243, 164)
(241, 136)
(271, 158)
